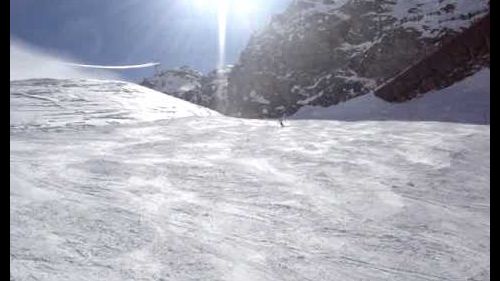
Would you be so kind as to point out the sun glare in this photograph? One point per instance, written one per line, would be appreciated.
(241, 7)
(222, 10)
(241, 10)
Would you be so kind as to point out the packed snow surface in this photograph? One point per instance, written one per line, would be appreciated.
(111, 181)
(67, 104)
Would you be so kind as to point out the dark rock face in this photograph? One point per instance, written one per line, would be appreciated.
(326, 52)
(206, 90)
(460, 57)
(214, 87)
(183, 83)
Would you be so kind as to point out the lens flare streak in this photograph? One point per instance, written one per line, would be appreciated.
(222, 10)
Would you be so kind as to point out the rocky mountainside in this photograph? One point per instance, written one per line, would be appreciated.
(322, 52)
(325, 52)
(208, 90)
(183, 83)
(455, 60)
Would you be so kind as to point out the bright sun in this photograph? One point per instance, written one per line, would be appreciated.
(240, 7)
(235, 9)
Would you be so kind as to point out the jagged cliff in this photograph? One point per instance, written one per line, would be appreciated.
(184, 83)
(462, 56)
(325, 52)
(209, 90)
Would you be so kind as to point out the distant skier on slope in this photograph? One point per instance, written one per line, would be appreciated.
(282, 120)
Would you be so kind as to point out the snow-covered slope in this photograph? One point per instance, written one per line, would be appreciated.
(59, 104)
(467, 101)
(152, 197)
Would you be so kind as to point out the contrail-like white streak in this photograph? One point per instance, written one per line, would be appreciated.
(145, 65)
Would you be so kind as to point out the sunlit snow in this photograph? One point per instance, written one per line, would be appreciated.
(111, 181)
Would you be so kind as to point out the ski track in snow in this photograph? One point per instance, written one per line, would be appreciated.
(192, 195)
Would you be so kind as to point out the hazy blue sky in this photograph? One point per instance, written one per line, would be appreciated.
(119, 32)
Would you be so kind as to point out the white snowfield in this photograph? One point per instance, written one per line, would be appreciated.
(110, 182)
(67, 104)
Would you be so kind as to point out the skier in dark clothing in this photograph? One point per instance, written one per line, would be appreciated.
(282, 120)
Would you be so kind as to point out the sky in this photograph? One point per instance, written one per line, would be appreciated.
(127, 32)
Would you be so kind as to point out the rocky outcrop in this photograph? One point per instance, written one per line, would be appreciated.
(460, 57)
(325, 52)
(183, 83)
(208, 90)
(214, 87)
